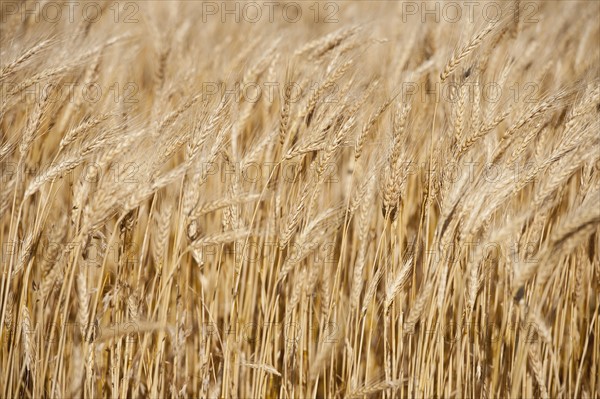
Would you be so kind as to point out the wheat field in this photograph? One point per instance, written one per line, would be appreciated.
(345, 199)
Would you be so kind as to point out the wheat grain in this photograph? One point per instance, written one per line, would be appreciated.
(224, 208)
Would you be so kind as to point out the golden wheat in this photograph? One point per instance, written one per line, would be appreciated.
(201, 201)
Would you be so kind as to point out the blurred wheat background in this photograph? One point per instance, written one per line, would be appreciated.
(298, 200)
